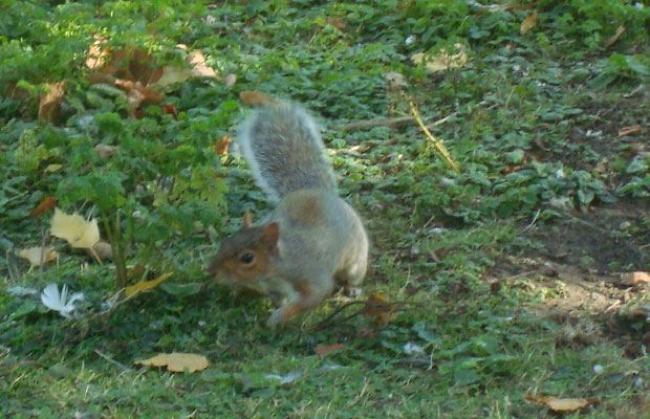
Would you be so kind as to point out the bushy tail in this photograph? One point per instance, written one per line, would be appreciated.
(283, 147)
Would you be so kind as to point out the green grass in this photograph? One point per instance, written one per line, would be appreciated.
(506, 273)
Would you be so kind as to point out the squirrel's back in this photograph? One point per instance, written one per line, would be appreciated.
(283, 147)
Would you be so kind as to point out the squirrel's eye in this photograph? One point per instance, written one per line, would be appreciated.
(247, 258)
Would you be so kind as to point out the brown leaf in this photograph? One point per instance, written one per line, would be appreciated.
(529, 23)
(48, 203)
(255, 98)
(337, 22)
(561, 405)
(50, 103)
(635, 278)
(138, 94)
(221, 146)
(612, 39)
(378, 309)
(629, 130)
(168, 108)
(105, 151)
(103, 250)
(177, 362)
(324, 350)
(97, 55)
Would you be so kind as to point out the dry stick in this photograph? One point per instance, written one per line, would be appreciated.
(438, 144)
(389, 122)
(42, 261)
(377, 122)
(112, 361)
(326, 320)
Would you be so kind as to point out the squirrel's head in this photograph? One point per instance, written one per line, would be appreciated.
(247, 255)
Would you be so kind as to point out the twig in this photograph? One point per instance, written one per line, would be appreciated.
(112, 361)
(389, 122)
(41, 262)
(326, 320)
(377, 122)
(532, 223)
(438, 144)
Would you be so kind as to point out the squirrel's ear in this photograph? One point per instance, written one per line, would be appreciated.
(270, 234)
(247, 219)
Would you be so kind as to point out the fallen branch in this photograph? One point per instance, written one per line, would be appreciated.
(438, 144)
(389, 122)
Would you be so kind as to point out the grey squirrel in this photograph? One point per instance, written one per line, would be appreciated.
(313, 240)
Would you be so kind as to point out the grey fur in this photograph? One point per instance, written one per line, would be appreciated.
(284, 150)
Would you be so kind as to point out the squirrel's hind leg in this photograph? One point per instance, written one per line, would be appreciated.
(351, 277)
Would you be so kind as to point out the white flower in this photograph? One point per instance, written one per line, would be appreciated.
(410, 40)
(52, 299)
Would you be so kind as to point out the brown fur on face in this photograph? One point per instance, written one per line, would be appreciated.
(246, 256)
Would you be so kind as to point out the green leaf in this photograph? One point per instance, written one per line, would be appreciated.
(182, 289)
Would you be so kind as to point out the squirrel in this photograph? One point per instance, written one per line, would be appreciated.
(313, 240)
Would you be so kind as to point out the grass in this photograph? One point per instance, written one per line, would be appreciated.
(506, 273)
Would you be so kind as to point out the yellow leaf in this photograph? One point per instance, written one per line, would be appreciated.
(144, 286)
(172, 75)
(50, 103)
(199, 67)
(529, 23)
(561, 405)
(76, 230)
(54, 167)
(177, 362)
(444, 60)
(38, 255)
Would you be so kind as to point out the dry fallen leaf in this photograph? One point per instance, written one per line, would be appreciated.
(324, 350)
(105, 151)
(612, 39)
(50, 102)
(221, 146)
(170, 109)
(561, 405)
(52, 168)
(172, 75)
(630, 130)
(199, 66)
(635, 278)
(337, 22)
(75, 229)
(177, 362)
(102, 250)
(255, 98)
(442, 61)
(39, 255)
(97, 55)
(144, 286)
(46, 204)
(529, 23)
(379, 309)
(395, 81)
(230, 80)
